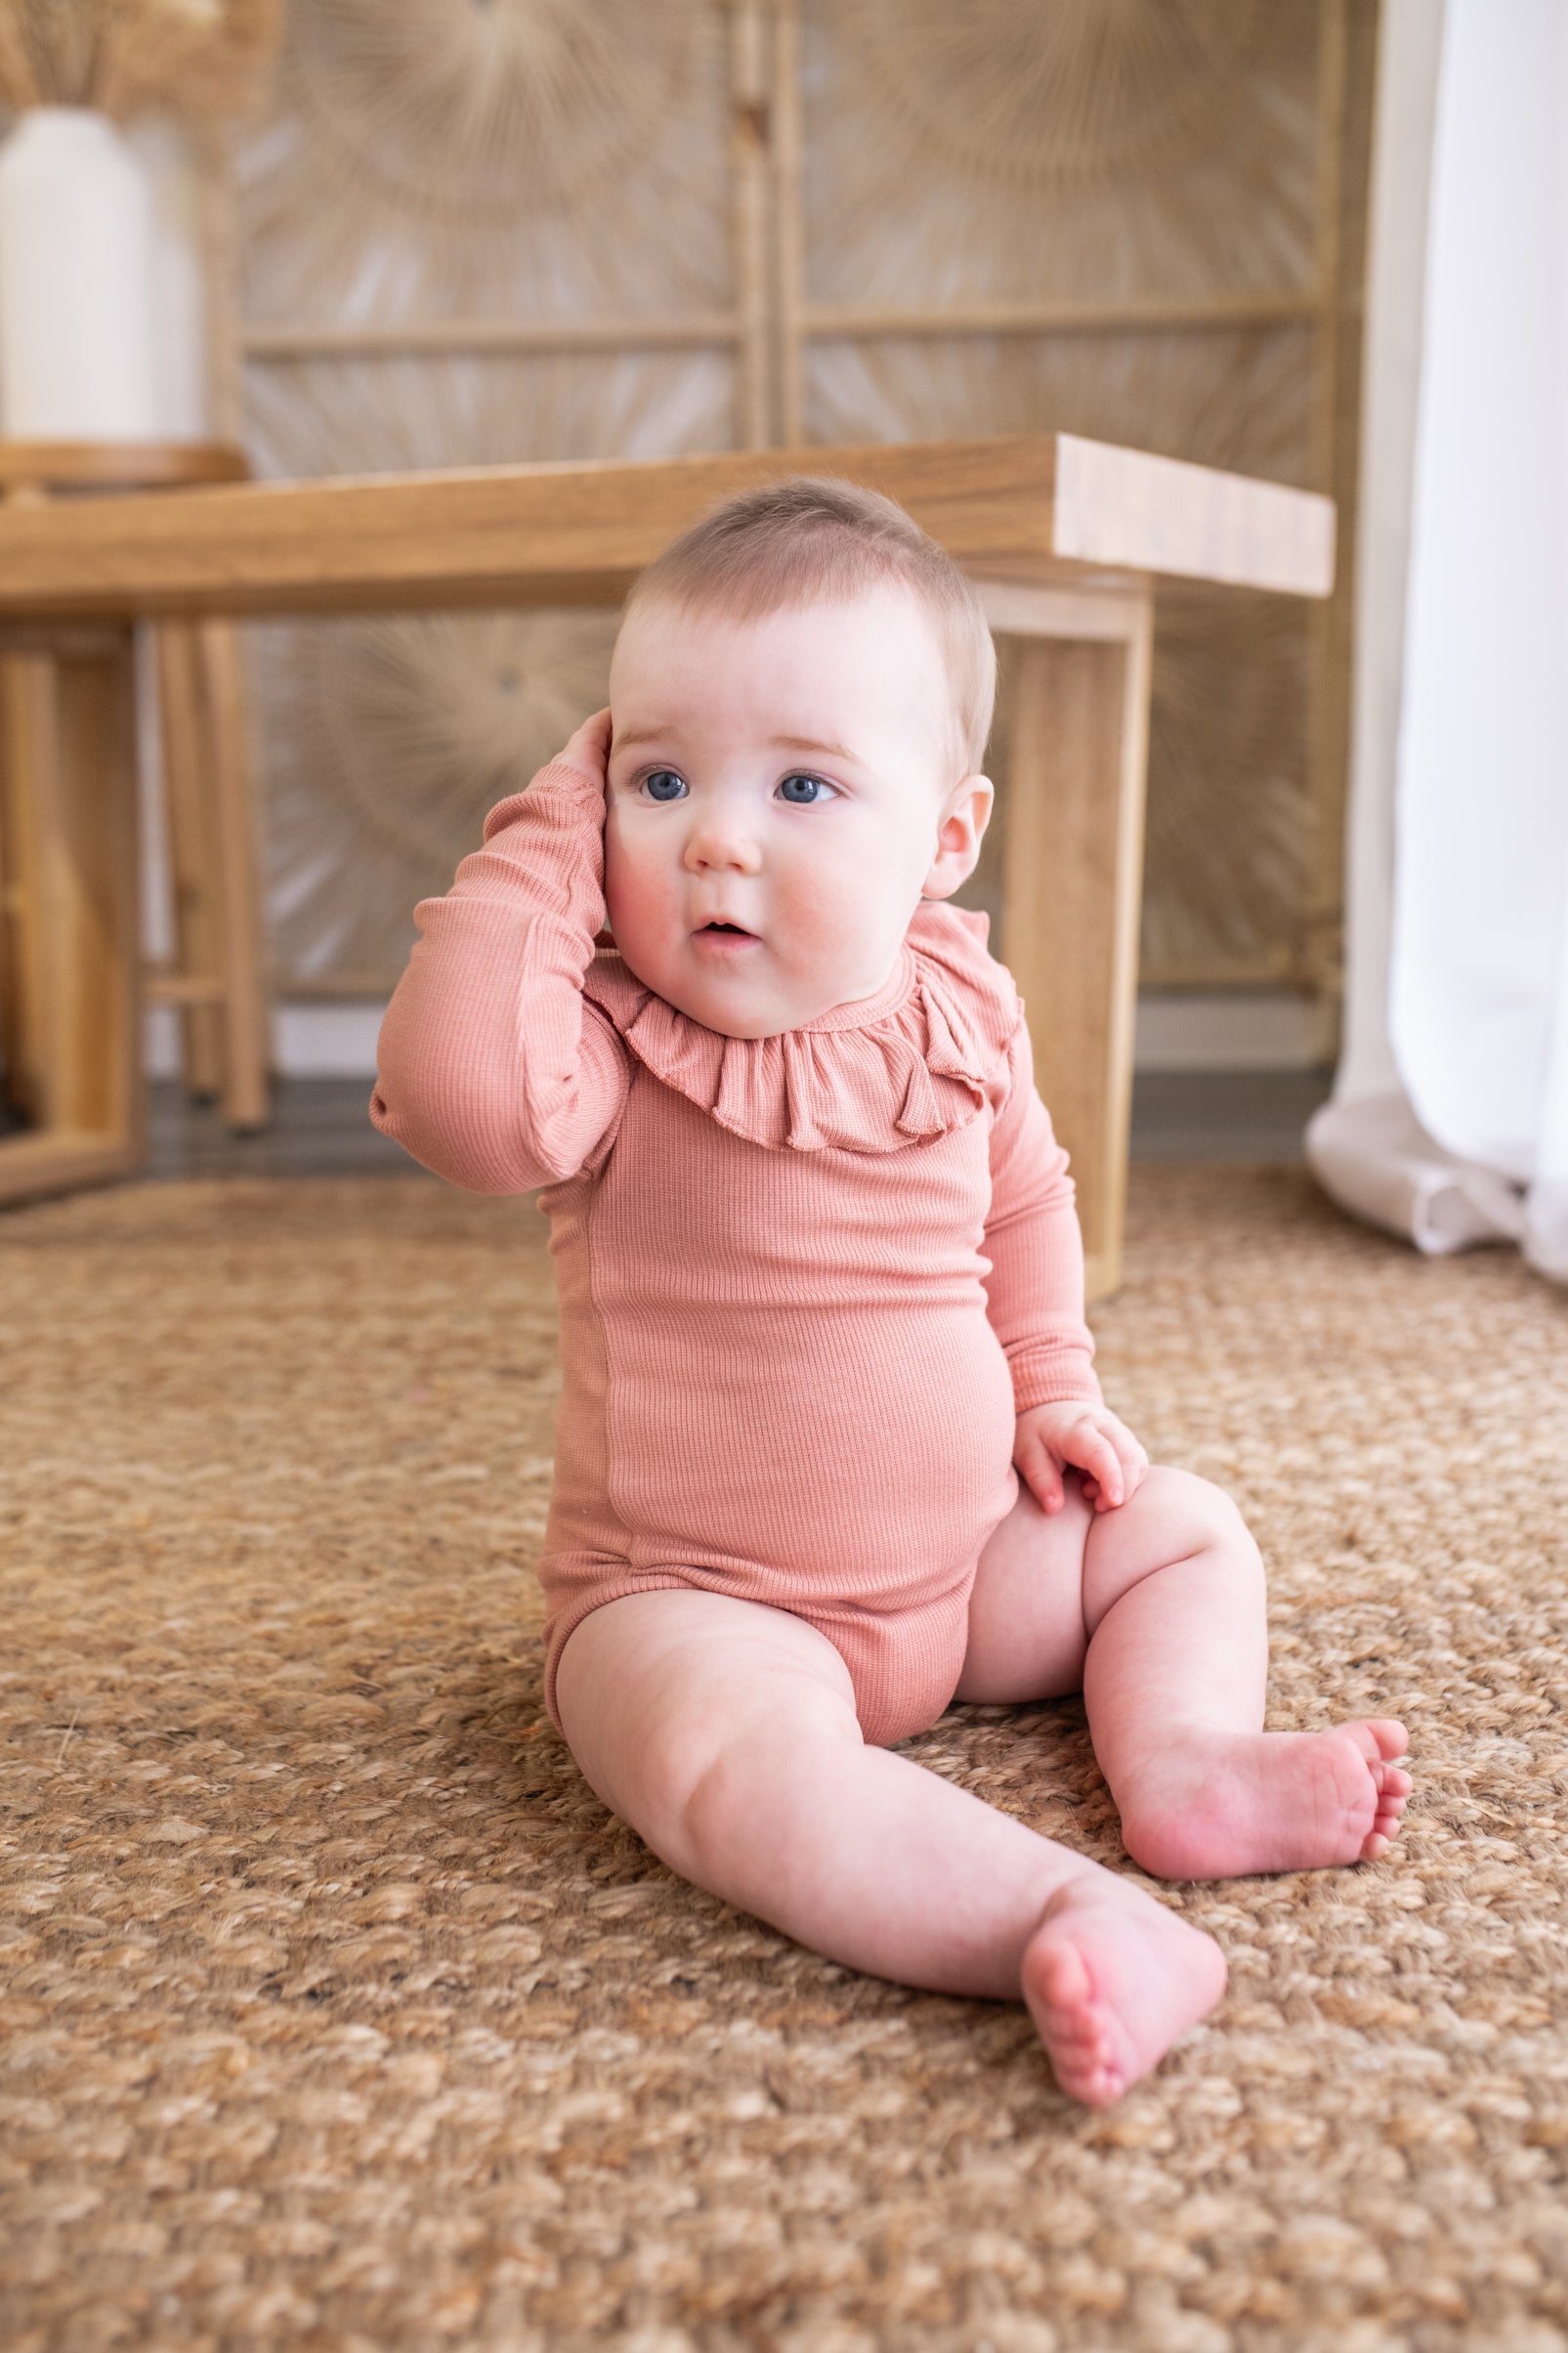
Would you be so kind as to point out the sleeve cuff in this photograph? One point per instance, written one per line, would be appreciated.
(1056, 1380)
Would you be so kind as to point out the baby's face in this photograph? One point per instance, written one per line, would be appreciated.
(781, 796)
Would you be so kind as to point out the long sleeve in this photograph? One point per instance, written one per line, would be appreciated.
(1034, 1290)
(493, 1068)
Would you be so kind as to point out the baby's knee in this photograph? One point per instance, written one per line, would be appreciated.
(1195, 1515)
(707, 1785)
(1174, 1516)
(671, 1766)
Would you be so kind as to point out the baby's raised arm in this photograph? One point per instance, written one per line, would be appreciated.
(493, 1069)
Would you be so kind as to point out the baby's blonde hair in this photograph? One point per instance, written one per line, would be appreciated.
(812, 540)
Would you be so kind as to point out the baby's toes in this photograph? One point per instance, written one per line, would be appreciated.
(1068, 2013)
(1100, 2089)
(1390, 1734)
(1078, 2032)
(1393, 1796)
(1384, 1828)
(1087, 2066)
(1379, 1740)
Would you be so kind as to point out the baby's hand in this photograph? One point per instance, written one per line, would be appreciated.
(589, 748)
(1048, 1437)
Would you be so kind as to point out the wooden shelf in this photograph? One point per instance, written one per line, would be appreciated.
(816, 321)
(33, 465)
(304, 340)
(1089, 315)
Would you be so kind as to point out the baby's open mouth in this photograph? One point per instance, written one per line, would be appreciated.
(738, 929)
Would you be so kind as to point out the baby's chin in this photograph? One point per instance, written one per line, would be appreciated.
(729, 1012)
(729, 1003)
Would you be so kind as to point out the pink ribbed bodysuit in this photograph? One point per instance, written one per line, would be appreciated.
(806, 1281)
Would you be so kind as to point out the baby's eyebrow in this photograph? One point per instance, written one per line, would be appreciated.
(836, 751)
(781, 742)
(642, 735)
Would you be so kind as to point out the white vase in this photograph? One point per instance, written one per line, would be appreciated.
(77, 348)
(178, 280)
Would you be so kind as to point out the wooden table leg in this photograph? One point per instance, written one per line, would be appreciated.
(73, 912)
(246, 1045)
(1072, 887)
(218, 938)
(185, 774)
(26, 739)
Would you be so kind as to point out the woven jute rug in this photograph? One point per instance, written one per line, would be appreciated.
(337, 2013)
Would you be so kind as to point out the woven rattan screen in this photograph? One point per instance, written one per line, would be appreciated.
(542, 229)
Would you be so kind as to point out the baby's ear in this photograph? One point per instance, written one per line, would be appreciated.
(960, 833)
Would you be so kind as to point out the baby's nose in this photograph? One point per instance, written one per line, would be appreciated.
(718, 842)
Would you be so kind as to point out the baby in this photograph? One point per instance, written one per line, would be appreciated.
(832, 1452)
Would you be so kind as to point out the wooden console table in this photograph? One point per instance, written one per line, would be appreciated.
(1067, 536)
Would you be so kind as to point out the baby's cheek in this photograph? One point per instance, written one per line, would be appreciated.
(850, 901)
(824, 928)
(635, 891)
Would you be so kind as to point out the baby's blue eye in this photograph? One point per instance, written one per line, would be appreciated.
(803, 791)
(664, 785)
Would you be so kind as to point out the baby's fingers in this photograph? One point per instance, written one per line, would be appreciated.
(589, 745)
(1131, 1460)
(1042, 1476)
(1094, 1453)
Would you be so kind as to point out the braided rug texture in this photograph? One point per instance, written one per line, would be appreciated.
(337, 2013)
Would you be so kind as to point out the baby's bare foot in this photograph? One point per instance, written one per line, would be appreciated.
(1213, 1805)
(1111, 1979)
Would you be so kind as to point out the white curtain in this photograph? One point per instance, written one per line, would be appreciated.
(1449, 1118)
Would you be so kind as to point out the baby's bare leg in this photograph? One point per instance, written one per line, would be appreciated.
(1171, 1634)
(725, 1734)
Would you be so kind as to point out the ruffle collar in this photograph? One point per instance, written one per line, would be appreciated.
(910, 1064)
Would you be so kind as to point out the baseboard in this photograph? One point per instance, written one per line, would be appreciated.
(1211, 1029)
(1178, 1030)
(309, 1040)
